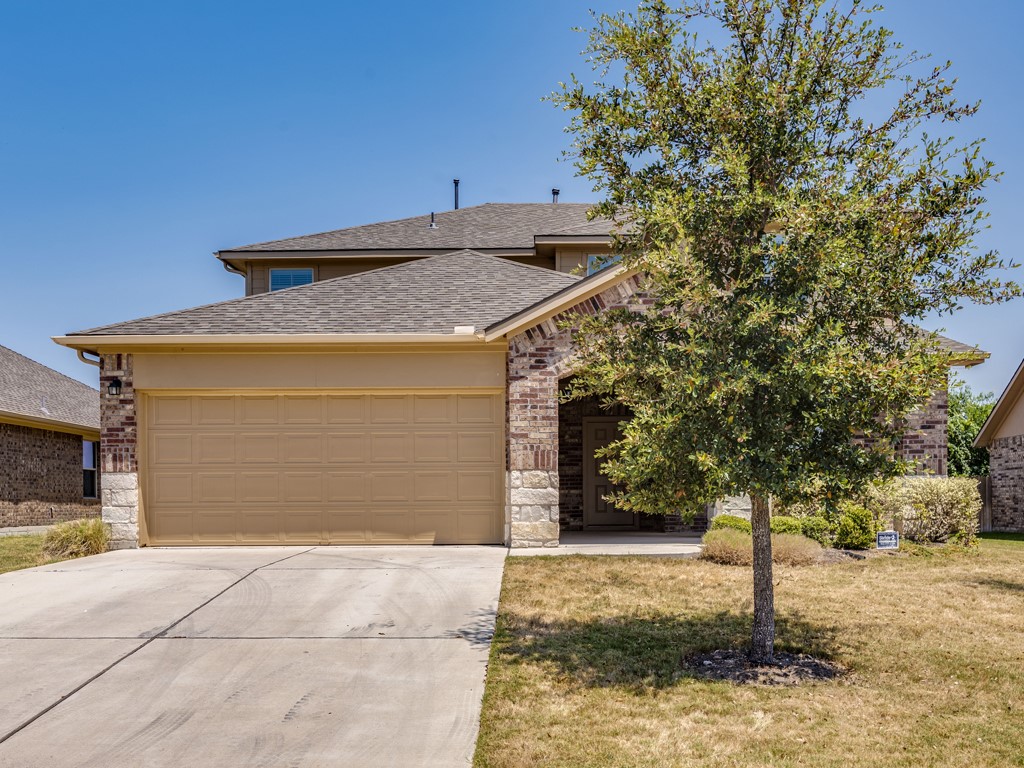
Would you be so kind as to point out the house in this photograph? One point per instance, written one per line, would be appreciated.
(49, 444)
(396, 382)
(1003, 435)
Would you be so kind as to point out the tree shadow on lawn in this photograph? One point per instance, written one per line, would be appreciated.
(997, 583)
(645, 653)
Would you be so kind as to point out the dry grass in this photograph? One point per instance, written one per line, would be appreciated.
(727, 546)
(17, 552)
(588, 665)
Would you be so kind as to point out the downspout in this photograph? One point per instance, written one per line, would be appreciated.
(234, 269)
(84, 359)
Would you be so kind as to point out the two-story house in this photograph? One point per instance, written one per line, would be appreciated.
(388, 383)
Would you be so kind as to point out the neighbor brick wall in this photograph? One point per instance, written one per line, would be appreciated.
(1006, 468)
(41, 477)
(118, 457)
(925, 442)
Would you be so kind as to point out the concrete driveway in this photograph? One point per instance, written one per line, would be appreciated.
(247, 657)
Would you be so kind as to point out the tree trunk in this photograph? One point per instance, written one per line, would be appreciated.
(763, 641)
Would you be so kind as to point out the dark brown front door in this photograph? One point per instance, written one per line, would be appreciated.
(598, 513)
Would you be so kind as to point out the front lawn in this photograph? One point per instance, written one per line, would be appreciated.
(588, 664)
(17, 552)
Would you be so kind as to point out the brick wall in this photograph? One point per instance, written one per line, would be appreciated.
(41, 477)
(925, 442)
(118, 459)
(1006, 468)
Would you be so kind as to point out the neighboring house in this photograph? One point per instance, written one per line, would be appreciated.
(49, 444)
(1003, 435)
(396, 382)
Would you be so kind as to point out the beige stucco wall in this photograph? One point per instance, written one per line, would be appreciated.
(459, 368)
(1013, 423)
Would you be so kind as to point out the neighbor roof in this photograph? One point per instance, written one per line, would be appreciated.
(488, 226)
(35, 392)
(427, 296)
(1004, 407)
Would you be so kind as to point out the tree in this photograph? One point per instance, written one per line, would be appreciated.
(789, 243)
(968, 411)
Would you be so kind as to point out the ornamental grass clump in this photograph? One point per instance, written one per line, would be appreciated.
(727, 546)
(76, 538)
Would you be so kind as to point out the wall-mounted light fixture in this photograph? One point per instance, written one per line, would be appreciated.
(114, 387)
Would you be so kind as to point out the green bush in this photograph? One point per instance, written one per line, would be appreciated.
(856, 527)
(731, 522)
(818, 529)
(786, 524)
(76, 538)
(729, 546)
(929, 509)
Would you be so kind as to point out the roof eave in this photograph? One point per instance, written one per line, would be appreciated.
(54, 425)
(94, 342)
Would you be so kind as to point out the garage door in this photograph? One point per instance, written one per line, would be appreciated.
(323, 468)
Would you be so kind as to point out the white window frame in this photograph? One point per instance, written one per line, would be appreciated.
(272, 270)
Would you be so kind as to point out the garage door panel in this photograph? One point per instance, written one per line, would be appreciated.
(299, 487)
(215, 447)
(215, 487)
(307, 468)
(215, 411)
(345, 487)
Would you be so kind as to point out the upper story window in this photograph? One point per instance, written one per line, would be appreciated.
(90, 462)
(598, 261)
(289, 278)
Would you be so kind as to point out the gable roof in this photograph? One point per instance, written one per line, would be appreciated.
(39, 394)
(488, 226)
(1005, 405)
(427, 296)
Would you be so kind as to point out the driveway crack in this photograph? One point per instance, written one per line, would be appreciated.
(161, 634)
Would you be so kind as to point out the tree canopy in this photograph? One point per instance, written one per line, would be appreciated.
(770, 169)
(968, 411)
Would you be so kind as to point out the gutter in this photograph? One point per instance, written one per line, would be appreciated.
(54, 425)
(90, 343)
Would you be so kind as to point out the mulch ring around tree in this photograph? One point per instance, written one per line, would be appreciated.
(787, 668)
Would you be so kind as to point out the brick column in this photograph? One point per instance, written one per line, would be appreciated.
(118, 461)
(532, 482)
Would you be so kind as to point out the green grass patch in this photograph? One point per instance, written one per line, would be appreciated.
(17, 552)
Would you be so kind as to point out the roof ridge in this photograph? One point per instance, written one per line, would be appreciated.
(48, 368)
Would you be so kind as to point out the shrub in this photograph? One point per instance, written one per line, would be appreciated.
(731, 522)
(729, 546)
(794, 549)
(76, 538)
(818, 529)
(856, 527)
(929, 509)
(786, 524)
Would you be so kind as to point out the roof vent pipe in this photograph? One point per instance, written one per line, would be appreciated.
(433, 224)
(455, 182)
(554, 195)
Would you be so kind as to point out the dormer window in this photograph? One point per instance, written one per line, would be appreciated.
(289, 278)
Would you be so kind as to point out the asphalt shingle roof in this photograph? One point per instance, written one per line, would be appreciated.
(30, 389)
(431, 295)
(493, 225)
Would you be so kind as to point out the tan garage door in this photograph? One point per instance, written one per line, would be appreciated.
(331, 468)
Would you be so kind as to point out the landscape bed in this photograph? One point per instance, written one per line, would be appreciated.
(592, 663)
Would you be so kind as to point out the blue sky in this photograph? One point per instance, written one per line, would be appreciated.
(136, 138)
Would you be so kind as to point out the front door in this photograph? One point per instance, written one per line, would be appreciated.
(598, 513)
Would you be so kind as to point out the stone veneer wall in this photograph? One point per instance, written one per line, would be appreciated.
(118, 460)
(926, 440)
(1006, 468)
(41, 477)
(537, 359)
